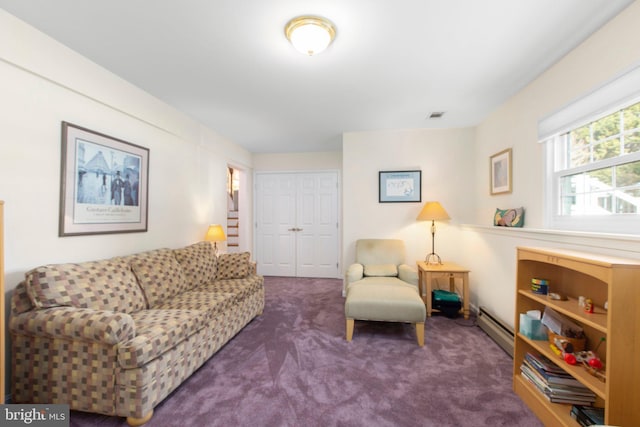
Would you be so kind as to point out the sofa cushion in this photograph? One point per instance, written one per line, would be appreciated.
(239, 288)
(392, 302)
(383, 281)
(159, 331)
(211, 302)
(233, 266)
(381, 270)
(198, 263)
(159, 274)
(99, 285)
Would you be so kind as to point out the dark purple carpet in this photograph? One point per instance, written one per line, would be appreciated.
(293, 367)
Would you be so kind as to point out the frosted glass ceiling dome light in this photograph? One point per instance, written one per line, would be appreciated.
(310, 34)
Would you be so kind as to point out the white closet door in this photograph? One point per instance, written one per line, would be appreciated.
(275, 220)
(307, 218)
(317, 219)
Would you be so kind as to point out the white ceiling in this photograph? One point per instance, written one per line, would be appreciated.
(227, 64)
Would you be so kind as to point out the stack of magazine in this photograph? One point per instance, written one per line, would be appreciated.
(587, 415)
(556, 385)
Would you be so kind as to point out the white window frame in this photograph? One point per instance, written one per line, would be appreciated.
(618, 93)
(612, 223)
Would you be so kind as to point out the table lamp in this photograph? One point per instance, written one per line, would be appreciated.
(215, 234)
(432, 211)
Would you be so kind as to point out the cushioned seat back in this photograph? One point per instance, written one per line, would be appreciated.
(100, 285)
(159, 275)
(198, 263)
(380, 251)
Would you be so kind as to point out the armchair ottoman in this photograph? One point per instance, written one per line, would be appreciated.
(380, 287)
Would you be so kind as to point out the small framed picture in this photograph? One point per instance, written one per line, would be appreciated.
(500, 172)
(400, 186)
(104, 184)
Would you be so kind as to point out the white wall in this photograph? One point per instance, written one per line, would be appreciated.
(611, 50)
(447, 160)
(268, 162)
(43, 83)
(455, 166)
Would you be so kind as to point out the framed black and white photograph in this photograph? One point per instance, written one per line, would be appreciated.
(500, 172)
(400, 186)
(104, 184)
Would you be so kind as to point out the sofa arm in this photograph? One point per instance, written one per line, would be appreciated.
(408, 274)
(103, 326)
(354, 272)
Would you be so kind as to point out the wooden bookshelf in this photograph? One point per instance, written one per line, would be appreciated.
(602, 279)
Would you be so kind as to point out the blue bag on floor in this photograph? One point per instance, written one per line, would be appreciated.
(447, 302)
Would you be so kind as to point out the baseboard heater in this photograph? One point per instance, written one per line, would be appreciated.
(499, 331)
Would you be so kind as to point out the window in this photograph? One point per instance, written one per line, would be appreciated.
(593, 174)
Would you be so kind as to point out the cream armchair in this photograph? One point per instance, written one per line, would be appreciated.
(379, 286)
(376, 253)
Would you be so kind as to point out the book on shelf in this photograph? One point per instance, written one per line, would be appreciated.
(543, 363)
(571, 391)
(569, 399)
(557, 387)
(556, 392)
(576, 400)
(552, 373)
(587, 415)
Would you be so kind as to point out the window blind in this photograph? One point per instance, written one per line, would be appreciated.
(615, 94)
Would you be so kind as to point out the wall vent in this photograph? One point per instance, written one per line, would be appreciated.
(499, 331)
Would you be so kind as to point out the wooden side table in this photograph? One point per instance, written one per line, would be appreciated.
(428, 272)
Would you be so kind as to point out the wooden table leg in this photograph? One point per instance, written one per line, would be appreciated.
(428, 284)
(465, 294)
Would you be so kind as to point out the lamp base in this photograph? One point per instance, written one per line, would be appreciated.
(433, 258)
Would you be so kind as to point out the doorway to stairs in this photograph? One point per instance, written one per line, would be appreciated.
(233, 210)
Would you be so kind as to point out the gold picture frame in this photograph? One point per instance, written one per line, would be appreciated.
(104, 184)
(500, 172)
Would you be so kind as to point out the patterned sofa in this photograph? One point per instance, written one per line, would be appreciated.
(116, 336)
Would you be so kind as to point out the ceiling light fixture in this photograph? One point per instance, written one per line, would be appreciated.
(310, 34)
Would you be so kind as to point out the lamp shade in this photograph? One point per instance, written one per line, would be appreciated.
(310, 34)
(215, 233)
(432, 211)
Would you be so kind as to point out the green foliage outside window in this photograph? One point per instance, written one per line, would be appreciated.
(612, 184)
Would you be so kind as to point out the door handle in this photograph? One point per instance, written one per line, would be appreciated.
(295, 229)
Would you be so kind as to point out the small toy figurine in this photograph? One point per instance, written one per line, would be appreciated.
(570, 358)
(564, 345)
(588, 359)
(588, 305)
